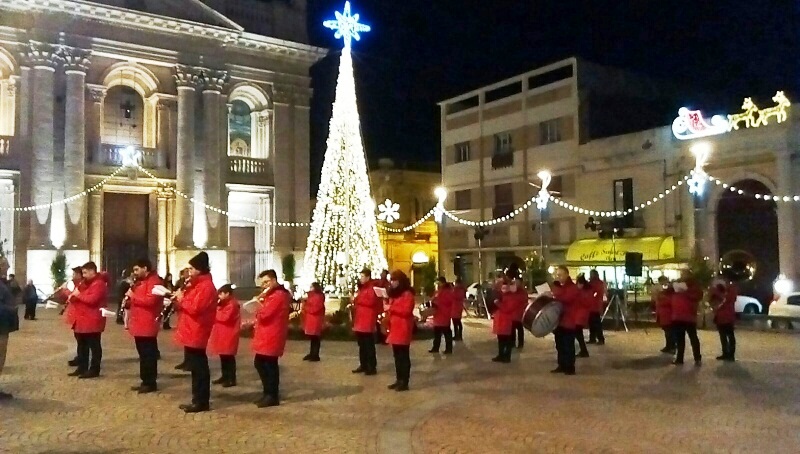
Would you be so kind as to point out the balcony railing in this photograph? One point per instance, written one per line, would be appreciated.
(502, 160)
(248, 166)
(117, 155)
(5, 145)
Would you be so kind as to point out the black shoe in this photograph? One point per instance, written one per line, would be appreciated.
(698, 363)
(267, 401)
(394, 385)
(730, 359)
(721, 358)
(90, 374)
(147, 389)
(557, 370)
(602, 342)
(359, 370)
(677, 363)
(569, 372)
(402, 386)
(520, 346)
(433, 351)
(497, 359)
(73, 362)
(582, 355)
(371, 372)
(229, 383)
(182, 366)
(312, 359)
(307, 357)
(5, 396)
(505, 360)
(195, 408)
(448, 352)
(591, 342)
(219, 381)
(76, 373)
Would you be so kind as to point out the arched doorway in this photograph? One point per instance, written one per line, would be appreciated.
(749, 224)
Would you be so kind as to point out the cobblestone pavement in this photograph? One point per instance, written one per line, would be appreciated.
(625, 398)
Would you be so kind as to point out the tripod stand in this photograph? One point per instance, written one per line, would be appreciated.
(619, 313)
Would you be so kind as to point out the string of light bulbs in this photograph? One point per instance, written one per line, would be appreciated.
(409, 227)
(69, 199)
(768, 197)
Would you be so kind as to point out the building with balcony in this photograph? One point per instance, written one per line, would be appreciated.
(608, 155)
(211, 110)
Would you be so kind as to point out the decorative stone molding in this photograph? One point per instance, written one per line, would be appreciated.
(187, 76)
(166, 103)
(97, 93)
(263, 118)
(75, 59)
(215, 80)
(40, 55)
(11, 87)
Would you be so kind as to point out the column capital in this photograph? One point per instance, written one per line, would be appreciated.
(75, 58)
(11, 87)
(263, 117)
(97, 92)
(164, 193)
(41, 55)
(187, 76)
(214, 80)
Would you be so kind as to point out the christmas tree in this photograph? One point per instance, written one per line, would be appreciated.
(344, 235)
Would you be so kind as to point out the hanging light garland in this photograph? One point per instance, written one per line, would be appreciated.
(768, 197)
(69, 199)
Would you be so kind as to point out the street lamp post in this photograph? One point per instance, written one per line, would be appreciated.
(701, 152)
(541, 204)
(480, 233)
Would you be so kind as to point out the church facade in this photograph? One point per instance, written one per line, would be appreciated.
(216, 116)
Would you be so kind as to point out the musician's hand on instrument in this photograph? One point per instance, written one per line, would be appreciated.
(129, 294)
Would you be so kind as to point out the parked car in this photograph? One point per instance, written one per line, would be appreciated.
(748, 305)
(787, 307)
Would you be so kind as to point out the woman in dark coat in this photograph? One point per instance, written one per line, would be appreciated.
(31, 299)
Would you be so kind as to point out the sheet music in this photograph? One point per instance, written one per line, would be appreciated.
(381, 292)
(543, 289)
(107, 313)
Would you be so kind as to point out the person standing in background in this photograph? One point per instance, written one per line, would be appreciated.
(314, 320)
(595, 321)
(443, 302)
(582, 311)
(458, 309)
(224, 339)
(30, 298)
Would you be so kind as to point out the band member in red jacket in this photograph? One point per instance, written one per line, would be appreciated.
(314, 320)
(595, 321)
(224, 340)
(63, 294)
(686, 296)
(443, 302)
(723, 299)
(503, 320)
(400, 310)
(569, 295)
(143, 322)
(458, 309)
(521, 300)
(366, 306)
(88, 299)
(196, 304)
(664, 314)
(582, 311)
(269, 336)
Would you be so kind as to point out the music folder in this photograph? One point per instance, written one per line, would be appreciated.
(543, 289)
(381, 292)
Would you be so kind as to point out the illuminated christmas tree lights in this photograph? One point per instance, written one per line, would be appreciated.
(344, 235)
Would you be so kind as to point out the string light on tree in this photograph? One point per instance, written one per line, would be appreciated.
(344, 218)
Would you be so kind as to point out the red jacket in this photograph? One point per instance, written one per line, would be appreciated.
(458, 303)
(725, 313)
(367, 306)
(87, 315)
(224, 338)
(503, 317)
(272, 322)
(401, 319)
(69, 310)
(599, 290)
(684, 304)
(521, 299)
(145, 308)
(198, 310)
(586, 304)
(664, 308)
(443, 301)
(314, 313)
(569, 295)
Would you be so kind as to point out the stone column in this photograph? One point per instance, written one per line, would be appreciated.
(163, 241)
(95, 123)
(263, 235)
(25, 179)
(283, 168)
(44, 60)
(162, 138)
(186, 78)
(214, 107)
(96, 227)
(786, 232)
(76, 63)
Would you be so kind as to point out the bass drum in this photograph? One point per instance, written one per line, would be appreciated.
(541, 316)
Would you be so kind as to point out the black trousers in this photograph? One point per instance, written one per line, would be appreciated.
(681, 329)
(77, 347)
(505, 343)
(147, 347)
(30, 310)
(565, 348)
(89, 344)
(596, 328)
(315, 344)
(727, 338)
(402, 362)
(367, 356)
(581, 340)
(270, 374)
(438, 332)
(518, 334)
(379, 336)
(227, 364)
(197, 360)
(669, 337)
(458, 329)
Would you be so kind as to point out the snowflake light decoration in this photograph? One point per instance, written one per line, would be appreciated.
(544, 194)
(697, 182)
(389, 211)
(346, 26)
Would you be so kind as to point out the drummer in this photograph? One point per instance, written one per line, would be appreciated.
(569, 295)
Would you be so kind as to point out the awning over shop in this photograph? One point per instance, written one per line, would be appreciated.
(654, 249)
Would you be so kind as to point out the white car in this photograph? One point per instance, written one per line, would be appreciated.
(748, 305)
(787, 307)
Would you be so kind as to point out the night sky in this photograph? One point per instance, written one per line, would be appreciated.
(420, 52)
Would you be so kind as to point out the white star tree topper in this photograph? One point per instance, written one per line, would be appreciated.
(347, 26)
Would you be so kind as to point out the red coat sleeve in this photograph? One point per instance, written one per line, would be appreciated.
(403, 306)
(228, 313)
(143, 294)
(198, 302)
(94, 295)
(315, 304)
(271, 306)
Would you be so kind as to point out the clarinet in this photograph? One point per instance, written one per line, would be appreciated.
(170, 309)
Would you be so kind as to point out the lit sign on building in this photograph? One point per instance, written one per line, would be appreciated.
(690, 124)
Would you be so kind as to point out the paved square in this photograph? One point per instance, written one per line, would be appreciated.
(625, 398)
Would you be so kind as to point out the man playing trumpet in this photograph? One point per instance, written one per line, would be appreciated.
(144, 309)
